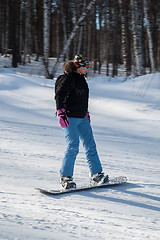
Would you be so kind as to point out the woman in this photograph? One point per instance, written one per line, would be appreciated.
(71, 95)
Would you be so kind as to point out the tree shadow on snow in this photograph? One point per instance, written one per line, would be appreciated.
(125, 189)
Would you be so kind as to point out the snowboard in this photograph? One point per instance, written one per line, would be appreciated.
(112, 182)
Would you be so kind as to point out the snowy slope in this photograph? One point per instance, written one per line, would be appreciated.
(126, 123)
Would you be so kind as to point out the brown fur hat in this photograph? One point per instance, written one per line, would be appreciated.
(69, 67)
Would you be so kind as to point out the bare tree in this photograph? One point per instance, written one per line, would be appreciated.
(100, 36)
(28, 31)
(2, 26)
(115, 41)
(57, 33)
(150, 42)
(14, 10)
(122, 5)
(136, 38)
(46, 35)
(64, 24)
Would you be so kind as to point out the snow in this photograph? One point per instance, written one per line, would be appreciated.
(125, 117)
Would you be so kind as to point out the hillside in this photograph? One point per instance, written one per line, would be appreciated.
(125, 117)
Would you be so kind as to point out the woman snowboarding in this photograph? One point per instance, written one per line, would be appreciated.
(71, 95)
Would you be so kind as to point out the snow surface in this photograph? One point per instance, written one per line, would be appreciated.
(126, 124)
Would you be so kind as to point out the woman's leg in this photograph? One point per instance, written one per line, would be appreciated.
(86, 135)
(72, 139)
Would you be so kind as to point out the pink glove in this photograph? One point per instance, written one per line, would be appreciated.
(88, 116)
(63, 119)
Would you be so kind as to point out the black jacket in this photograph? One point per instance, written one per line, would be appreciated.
(71, 93)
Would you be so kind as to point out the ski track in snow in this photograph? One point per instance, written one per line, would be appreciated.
(127, 132)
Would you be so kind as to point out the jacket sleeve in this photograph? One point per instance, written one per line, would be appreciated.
(63, 86)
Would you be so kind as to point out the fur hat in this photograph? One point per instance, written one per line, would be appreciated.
(69, 66)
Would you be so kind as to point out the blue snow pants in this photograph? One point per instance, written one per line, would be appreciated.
(79, 129)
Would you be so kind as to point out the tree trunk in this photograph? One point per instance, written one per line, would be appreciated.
(29, 30)
(46, 35)
(14, 32)
(150, 42)
(100, 52)
(80, 39)
(28, 35)
(6, 26)
(88, 50)
(57, 35)
(123, 37)
(64, 24)
(94, 39)
(20, 34)
(2, 26)
(107, 39)
(136, 39)
(115, 46)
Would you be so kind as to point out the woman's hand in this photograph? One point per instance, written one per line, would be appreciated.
(88, 116)
(63, 119)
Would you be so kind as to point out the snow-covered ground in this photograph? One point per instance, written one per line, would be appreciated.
(126, 124)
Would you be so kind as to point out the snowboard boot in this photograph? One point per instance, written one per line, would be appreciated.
(67, 182)
(99, 178)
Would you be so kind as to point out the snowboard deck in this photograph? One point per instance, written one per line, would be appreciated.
(112, 182)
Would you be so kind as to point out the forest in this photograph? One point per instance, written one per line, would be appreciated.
(110, 32)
